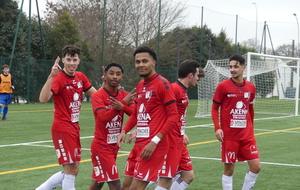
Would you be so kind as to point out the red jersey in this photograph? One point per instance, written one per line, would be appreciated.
(108, 121)
(182, 101)
(235, 117)
(67, 98)
(155, 110)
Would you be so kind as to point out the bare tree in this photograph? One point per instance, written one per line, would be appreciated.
(252, 43)
(129, 23)
(285, 50)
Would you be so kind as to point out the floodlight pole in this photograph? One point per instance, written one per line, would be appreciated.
(158, 32)
(297, 76)
(256, 26)
(298, 35)
(103, 33)
(28, 43)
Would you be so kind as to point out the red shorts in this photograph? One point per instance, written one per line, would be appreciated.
(239, 150)
(105, 167)
(145, 170)
(67, 146)
(185, 163)
(170, 166)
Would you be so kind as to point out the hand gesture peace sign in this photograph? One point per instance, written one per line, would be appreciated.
(55, 68)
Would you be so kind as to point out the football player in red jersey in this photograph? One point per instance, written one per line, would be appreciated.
(109, 105)
(66, 87)
(235, 131)
(155, 115)
(178, 159)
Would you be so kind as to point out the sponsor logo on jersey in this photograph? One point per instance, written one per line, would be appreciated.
(116, 122)
(231, 95)
(142, 122)
(76, 104)
(241, 109)
(69, 87)
(231, 155)
(142, 116)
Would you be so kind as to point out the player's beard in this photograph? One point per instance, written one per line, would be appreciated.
(145, 75)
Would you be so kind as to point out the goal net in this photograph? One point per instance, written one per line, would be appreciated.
(276, 79)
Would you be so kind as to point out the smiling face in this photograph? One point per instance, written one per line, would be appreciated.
(70, 64)
(113, 76)
(145, 64)
(236, 70)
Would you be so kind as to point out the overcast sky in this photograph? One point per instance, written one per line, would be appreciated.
(281, 22)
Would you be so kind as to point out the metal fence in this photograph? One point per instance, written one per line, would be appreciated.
(29, 79)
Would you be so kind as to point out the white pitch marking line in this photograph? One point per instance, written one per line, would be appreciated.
(269, 163)
(194, 126)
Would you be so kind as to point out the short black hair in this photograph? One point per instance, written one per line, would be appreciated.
(145, 49)
(186, 67)
(70, 49)
(237, 57)
(113, 65)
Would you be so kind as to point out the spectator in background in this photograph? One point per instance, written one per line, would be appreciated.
(6, 90)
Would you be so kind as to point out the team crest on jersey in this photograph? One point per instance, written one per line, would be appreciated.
(253, 149)
(79, 84)
(246, 94)
(148, 95)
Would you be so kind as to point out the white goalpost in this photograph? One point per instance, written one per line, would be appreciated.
(276, 79)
